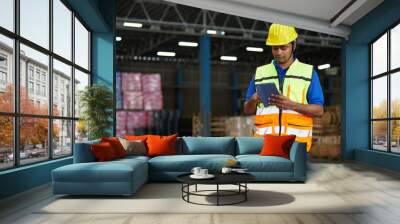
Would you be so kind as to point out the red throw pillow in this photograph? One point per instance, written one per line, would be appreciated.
(116, 145)
(161, 145)
(103, 151)
(277, 145)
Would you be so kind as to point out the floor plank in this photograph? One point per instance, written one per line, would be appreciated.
(376, 190)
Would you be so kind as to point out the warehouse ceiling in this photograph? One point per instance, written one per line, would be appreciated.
(164, 24)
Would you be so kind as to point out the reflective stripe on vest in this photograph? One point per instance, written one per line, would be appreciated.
(295, 86)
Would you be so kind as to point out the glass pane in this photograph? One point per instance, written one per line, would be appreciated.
(7, 14)
(6, 142)
(81, 81)
(62, 29)
(6, 74)
(395, 138)
(395, 95)
(62, 138)
(34, 82)
(379, 135)
(62, 89)
(81, 45)
(35, 21)
(395, 47)
(379, 55)
(81, 131)
(33, 139)
(379, 97)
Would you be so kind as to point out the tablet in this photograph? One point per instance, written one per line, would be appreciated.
(265, 90)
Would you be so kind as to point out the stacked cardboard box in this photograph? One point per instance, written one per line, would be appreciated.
(135, 120)
(152, 93)
(121, 123)
(133, 100)
(138, 96)
(239, 126)
(132, 91)
(118, 91)
(326, 135)
(132, 82)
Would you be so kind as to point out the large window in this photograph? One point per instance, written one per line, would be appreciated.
(44, 64)
(385, 96)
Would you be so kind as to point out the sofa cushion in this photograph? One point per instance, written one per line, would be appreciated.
(207, 145)
(83, 152)
(249, 145)
(112, 171)
(185, 163)
(257, 163)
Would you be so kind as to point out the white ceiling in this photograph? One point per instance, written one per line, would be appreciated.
(314, 15)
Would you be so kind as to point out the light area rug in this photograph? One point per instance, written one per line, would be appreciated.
(167, 198)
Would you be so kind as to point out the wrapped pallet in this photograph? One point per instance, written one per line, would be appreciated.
(131, 81)
(121, 123)
(133, 100)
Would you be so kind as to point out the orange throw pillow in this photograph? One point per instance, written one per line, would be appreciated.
(277, 145)
(161, 145)
(103, 152)
(116, 145)
(136, 137)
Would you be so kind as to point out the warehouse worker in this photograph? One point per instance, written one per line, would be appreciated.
(300, 97)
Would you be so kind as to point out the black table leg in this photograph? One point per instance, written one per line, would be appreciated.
(245, 193)
(217, 194)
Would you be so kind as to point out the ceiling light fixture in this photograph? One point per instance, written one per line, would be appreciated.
(228, 58)
(324, 66)
(187, 44)
(254, 49)
(212, 32)
(166, 53)
(130, 24)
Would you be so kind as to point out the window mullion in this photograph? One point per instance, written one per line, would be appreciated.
(73, 81)
(16, 85)
(389, 106)
(50, 81)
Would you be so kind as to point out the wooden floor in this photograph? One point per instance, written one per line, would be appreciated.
(378, 189)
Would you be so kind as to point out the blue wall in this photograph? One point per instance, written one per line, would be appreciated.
(99, 15)
(356, 85)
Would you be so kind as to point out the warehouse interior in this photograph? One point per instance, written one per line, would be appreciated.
(184, 67)
(167, 25)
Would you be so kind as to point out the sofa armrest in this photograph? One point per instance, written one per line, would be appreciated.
(298, 155)
(83, 152)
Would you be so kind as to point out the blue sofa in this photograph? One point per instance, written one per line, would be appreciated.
(125, 176)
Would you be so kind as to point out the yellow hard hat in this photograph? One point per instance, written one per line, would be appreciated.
(279, 34)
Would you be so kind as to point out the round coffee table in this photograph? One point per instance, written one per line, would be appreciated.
(238, 179)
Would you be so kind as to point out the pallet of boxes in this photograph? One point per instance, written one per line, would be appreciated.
(138, 96)
(217, 125)
(326, 144)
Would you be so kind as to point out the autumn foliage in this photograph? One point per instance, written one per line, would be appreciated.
(33, 131)
(380, 127)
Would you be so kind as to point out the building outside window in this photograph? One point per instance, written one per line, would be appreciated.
(34, 80)
(385, 96)
(30, 72)
(43, 90)
(30, 87)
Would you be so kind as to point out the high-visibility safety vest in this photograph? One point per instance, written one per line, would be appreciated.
(271, 119)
